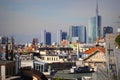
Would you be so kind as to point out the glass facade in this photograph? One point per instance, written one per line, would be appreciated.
(94, 29)
(78, 31)
(48, 38)
(64, 35)
(61, 36)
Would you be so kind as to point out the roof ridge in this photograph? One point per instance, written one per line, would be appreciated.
(91, 50)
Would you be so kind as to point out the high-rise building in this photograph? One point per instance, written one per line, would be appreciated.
(94, 27)
(3, 40)
(48, 38)
(107, 30)
(61, 36)
(77, 33)
(42, 39)
(64, 35)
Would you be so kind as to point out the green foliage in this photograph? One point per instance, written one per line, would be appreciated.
(117, 40)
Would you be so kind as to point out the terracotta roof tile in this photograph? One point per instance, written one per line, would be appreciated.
(92, 50)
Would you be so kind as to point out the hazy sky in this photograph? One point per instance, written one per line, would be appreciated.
(25, 19)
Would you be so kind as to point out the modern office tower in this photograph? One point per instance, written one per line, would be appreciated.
(64, 35)
(61, 36)
(3, 40)
(94, 27)
(77, 33)
(42, 35)
(112, 57)
(45, 37)
(48, 38)
(107, 30)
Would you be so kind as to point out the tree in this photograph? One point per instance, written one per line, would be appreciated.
(117, 40)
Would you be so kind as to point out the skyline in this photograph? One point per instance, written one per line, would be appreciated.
(26, 18)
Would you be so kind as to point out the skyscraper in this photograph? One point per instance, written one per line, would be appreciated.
(45, 37)
(61, 36)
(42, 39)
(3, 39)
(77, 33)
(94, 27)
(64, 35)
(48, 38)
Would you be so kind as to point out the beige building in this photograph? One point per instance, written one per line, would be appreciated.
(51, 59)
(95, 57)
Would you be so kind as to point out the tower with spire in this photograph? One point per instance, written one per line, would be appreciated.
(97, 7)
(94, 26)
(98, 22)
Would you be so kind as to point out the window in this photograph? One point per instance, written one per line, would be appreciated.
(56, 59)
(37, 67)
(47, 58)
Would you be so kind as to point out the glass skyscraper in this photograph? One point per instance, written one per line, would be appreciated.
(77, 33)
(46, 37)
(61, 36)
(64, 35)
(94, 27)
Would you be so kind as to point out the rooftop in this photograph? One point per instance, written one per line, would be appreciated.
(92, 50)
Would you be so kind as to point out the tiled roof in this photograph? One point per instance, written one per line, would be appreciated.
(94, 49)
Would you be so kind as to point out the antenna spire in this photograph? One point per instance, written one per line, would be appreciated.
(96, 7)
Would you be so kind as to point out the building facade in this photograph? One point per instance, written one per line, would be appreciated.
(96, 56)
(61, 36)
(94, 27)
(3, 40)
(42, 37)
(77, 33)
(64, 35)
(46, 37)
(107, 30)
